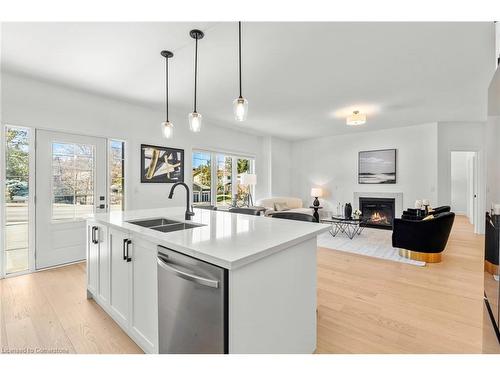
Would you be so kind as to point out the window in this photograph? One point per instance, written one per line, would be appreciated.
(216, 178)
(117, 175)
(243, 166)
(224, 194)
(17, 147)
(202, 178)
(72, 181)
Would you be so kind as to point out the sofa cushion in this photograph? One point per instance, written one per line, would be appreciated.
(281, 206)
(290, 201)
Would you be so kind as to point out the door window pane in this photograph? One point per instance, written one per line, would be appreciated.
(16, 199)
(72, 181)
(224, 180)
(202, 178)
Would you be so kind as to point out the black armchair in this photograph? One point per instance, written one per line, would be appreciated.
(245, 211)
(423, 239)
(294, 216)
(440, 210)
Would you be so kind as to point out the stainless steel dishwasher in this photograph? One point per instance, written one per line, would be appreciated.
(192, 305)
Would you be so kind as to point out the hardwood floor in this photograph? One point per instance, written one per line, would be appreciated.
(49, 311)
(365, 305)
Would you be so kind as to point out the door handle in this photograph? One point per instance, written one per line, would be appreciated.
(129, 259)
(93, 234)
(187, 276)
(96, 235)
(124, 244)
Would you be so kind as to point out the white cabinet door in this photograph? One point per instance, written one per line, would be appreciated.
(120, 280)
(92, 259)
(144, 315)
(104, 262)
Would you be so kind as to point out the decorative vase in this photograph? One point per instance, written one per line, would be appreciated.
(347, 210)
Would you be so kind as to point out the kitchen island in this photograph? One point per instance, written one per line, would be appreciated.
(269, 278)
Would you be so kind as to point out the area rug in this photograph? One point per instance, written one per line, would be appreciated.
(375, 243)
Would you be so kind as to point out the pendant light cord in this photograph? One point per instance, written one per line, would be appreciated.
(166, 86)
(239, 43)
(195, 70)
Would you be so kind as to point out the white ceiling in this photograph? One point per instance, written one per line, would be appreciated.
(300, 79)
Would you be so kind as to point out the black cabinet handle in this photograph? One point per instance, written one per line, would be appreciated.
(94, 238)
(125, 240)
(129, 259)
(96, 235)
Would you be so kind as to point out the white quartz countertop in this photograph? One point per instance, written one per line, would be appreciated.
(226, 239)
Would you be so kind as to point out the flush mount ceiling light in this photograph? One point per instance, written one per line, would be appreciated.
(167, 126)
(356, 119)
(240, 104)
(195, 117)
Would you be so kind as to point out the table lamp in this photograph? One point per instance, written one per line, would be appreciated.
(249, 179)
(316, 193)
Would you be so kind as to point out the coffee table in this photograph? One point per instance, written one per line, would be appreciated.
(350, 226)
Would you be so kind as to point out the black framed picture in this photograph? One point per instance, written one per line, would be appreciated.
(161, 164)
(377, 167)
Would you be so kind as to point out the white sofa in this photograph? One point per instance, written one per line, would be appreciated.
(294, 205)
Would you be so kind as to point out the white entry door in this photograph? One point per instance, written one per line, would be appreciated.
(70, 185)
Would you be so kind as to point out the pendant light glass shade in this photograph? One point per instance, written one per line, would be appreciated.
(167, 126)
(195, 122)
(240, 104)
(168, 129)
(194, 117)
(240, 107)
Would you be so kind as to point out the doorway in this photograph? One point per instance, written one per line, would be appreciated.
(464, 184)
(70, 184)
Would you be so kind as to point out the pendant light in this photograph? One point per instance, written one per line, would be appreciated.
(167, 126)
(195, 117)
(240, 104)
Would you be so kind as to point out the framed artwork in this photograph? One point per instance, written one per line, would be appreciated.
(377, 167)
(161, 164)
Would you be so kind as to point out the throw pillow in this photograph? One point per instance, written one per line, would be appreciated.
(428, 217)
(281, 206)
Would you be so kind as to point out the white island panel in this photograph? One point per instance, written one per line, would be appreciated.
(272, 303)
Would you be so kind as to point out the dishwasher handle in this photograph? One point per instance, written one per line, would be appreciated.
(187, 276)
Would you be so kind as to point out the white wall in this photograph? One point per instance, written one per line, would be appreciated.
(332, 163)
(28, 102)
(493, 142)
(459, 182)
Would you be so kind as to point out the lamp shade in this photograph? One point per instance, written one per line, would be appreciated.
(316, 192)
(248, 179)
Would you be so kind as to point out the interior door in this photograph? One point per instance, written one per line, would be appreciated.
(70, 185)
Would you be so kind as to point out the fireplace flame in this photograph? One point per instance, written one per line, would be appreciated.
(378, 218)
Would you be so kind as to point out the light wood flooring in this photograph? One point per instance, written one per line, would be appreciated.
(365, 305)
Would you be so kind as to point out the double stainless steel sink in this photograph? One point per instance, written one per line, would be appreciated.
(164, 225)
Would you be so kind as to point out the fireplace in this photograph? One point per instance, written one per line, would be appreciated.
(377, 212)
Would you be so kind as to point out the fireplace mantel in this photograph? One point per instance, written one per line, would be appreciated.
(398, 199)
